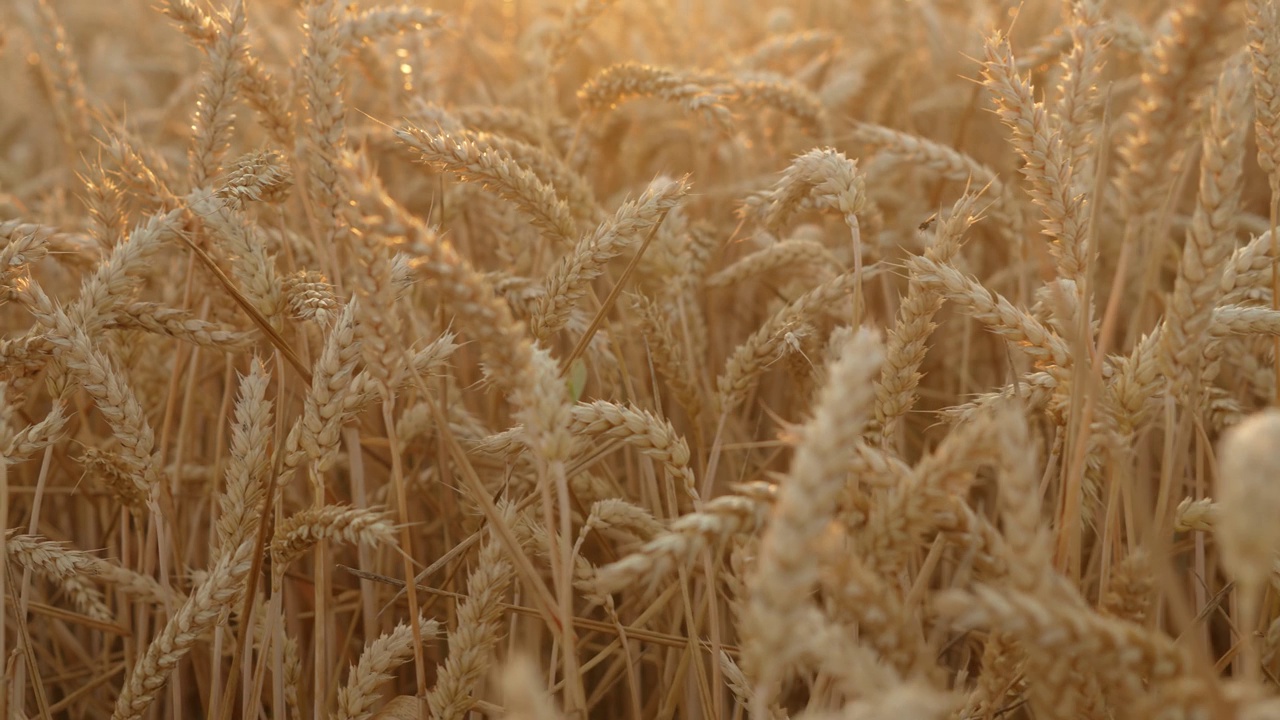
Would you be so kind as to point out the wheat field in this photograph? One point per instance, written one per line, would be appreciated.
(640, 359)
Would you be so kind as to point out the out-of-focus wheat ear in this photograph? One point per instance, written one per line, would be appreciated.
(263, 93)
(553, 133)
(885, 623)
(697, 94)
(1263, 31)
(104, 199)
(202, 611)
(787, 96)
(787, 568)
(61, 70)
(777, 258)
(214, 119)
(1078, 96)
(548, 167)
(472, 642)
(524, 695)
(140, 172)
(1264, 52)
(1137, 379)
(257, 86)
(907, 698)
(789, 46)
(1209, 241)
(134, 584)
(1249, 269)
(292, 675)
(1000, 679)
(1200, 515)
(916, 152)
(751, 358)
(22, 358)
(512, 358)
(577, 18)
(1058, 687)
(567, 283)
(1129, 660)
(1047, 162)
(429, 361)
(1178, 65)
(1019, 500)
(914, 506)
(379, 22)
(742, 690)
(113, 472)
(908, 340)
(1247, 496)
(113, 280)
(1129, 596)
(582, 572)
(381, 656)
(520, 136)
(325, 130)
(669, 358)
(252, 266)
(248, 462)
(268, 632)
(498, 172)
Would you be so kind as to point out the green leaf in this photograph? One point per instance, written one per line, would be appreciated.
(577, 379)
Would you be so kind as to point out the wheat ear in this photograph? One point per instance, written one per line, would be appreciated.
(240, 503)
(472, 643)
(1208, 245)
(380, 657)
(567, 283)
(787, 568)
(203, 610)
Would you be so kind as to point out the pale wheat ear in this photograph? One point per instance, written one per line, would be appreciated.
(787, 569)
(1247, 496)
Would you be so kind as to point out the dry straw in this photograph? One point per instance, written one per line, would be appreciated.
(1044, 494)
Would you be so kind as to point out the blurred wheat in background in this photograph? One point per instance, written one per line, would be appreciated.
(640, 359)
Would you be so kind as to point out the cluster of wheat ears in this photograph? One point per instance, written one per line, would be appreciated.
(643, 359)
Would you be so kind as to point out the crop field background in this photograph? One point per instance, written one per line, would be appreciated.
(640, 359)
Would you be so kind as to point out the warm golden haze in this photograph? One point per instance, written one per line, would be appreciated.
(640, 359)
